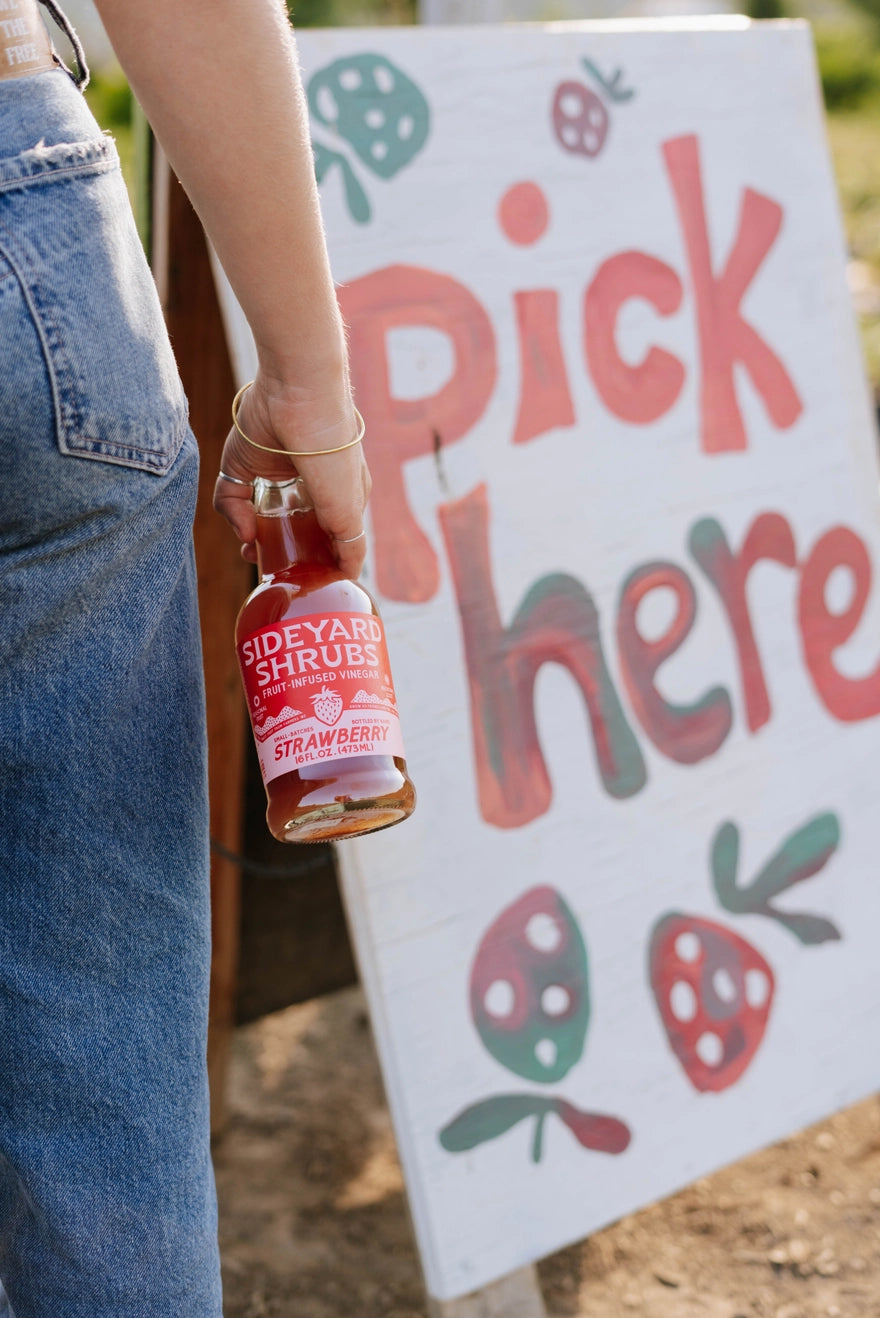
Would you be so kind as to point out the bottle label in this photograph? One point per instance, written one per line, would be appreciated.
(319, 688)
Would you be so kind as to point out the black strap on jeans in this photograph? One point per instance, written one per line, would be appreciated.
(81, 77)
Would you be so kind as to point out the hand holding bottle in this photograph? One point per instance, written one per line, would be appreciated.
(318, 683)
(275, 416)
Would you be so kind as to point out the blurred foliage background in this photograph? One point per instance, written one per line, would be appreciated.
(847, 36)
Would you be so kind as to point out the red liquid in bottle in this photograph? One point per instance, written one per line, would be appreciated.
(319, 689)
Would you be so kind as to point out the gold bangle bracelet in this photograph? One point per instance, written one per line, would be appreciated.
(287, 452)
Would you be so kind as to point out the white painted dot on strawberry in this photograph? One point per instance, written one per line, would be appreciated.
(682, 1001)
(328, 106)
(710, 1049)
(687, 947)
(717, 1042)
(500, 998)
(724, 986)
(555, 1000)
(546, 1052)
(543, 932)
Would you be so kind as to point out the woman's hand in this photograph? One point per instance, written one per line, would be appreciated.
(338, 484)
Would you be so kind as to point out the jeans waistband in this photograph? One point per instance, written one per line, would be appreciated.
(47, 162)
(41, 111)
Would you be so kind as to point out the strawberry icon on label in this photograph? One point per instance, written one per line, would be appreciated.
(328, 705)
(714, 992)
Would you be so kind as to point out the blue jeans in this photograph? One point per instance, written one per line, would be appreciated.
(107, 1205)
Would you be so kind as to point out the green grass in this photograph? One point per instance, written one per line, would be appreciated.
(855, 150)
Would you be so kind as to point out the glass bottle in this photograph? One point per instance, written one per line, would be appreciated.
(317, 681)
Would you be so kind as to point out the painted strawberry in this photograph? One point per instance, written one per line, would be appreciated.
(328, 705)
(368, 105)
(529, 994)
(374, 106)
(580, 118)
(714, 992)
(531, 1006)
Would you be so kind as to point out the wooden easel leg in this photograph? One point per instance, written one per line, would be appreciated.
(516, 1296)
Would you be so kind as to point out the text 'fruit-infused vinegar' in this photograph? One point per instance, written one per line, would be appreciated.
(318, 683)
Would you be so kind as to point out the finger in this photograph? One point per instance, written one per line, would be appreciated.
(351, 558)
(235, 503)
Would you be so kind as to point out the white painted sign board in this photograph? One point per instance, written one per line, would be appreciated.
(625, 537)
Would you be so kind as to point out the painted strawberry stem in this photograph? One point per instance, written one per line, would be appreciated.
(610, 86)
(356, 199)
(494, 1116)
(802, 855)
(538, 1138)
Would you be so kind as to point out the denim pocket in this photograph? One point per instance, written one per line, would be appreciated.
(67, 230)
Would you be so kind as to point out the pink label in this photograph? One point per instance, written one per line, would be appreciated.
(319, 688)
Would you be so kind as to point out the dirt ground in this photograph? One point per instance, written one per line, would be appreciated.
(314, 1221)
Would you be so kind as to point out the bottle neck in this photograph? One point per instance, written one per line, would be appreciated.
(291, 539)
(288, 534)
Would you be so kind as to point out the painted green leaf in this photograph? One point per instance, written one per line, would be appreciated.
(808, 929)
(490, 1118)
(610, 86)
(725, 865)
(494, 1116)
(802, 855)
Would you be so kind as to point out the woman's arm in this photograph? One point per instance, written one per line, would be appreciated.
(219, 82)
